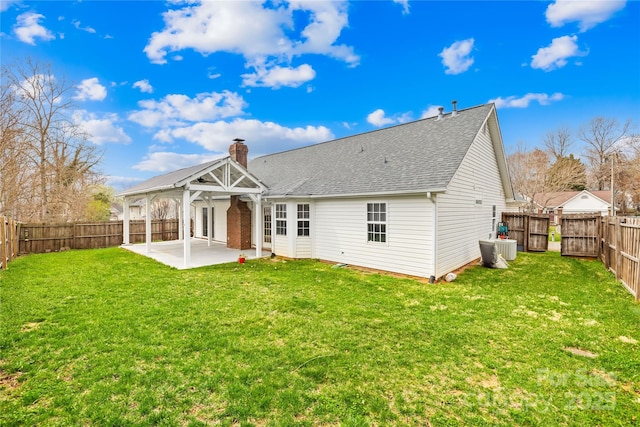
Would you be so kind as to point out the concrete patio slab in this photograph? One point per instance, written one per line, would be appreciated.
(171, 253)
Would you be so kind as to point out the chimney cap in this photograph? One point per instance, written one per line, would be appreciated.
(238, 140)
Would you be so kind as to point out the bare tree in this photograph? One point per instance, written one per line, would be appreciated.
(529, 170)
(58, 161)
(13, 175)
(160, 209)
(601, 136)
(557, 143)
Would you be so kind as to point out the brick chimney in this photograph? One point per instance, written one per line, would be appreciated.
(238, 224)
(238, 214)
(238, 151)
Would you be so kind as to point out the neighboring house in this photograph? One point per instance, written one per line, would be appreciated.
(138, 210)
(573, 202)
(414, 198)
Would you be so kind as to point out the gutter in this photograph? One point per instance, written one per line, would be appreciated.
(353, 195)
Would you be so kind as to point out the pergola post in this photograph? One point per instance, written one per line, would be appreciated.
(209, 222)
(125, 222)
(148, 223)
(186, 215)
(257, 207)
(180, 220)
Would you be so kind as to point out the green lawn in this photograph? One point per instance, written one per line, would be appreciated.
(107, 337)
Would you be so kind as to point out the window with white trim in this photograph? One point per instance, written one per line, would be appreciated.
(303, 219)
(281, 219)
(377, 222)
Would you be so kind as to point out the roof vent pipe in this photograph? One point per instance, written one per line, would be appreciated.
(455, 108)
(440, 113)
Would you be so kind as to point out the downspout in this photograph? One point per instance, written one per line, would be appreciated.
(434, 241)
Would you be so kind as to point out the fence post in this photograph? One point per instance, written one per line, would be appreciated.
(618, 231)
(525, 244)
(604, 241)
(3, 243)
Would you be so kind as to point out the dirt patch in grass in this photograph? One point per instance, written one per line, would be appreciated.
(627, 340)
(9, 381)
(580, 352)
(30, 326)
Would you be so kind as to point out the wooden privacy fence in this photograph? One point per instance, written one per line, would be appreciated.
(531, 231)
(580, 235)
(8, 241)
(40, 238)
(620, 250)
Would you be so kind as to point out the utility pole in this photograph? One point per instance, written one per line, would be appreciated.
(613, 206)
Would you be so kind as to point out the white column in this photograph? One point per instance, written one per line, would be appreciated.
(259, 224)
(125, 222)
(148, 223)
(209, 221)
(180, 220)
(186, 215)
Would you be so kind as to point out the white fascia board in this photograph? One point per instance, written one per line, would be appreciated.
(352, 195)
(144, 192)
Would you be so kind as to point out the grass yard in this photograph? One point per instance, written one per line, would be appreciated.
(107, 337)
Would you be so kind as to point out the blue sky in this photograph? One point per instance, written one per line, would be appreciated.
(164, 85)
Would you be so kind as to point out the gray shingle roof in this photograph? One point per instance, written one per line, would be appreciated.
(418, 156)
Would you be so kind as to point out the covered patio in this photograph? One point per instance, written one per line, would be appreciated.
(203, 253)
(225, 178)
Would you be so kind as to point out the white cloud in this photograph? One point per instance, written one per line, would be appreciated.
(555, 55)
(28, 28)
(163, 161)
(456, 57)
(79, 27)
(405, 6)
(6, 4)
(524, 101)
(144, 86)
(101, 130)
(276, 77)
(431, 111)
(178, 109)
(263, 33)
(326, 21)
(263, 137)
(588, 14)
(211, 74)
(377, 118)
(90, 90)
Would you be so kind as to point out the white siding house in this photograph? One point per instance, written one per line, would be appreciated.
(559, 203)
(413, 199)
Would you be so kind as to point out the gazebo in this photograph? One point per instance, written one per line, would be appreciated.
(225, 177)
